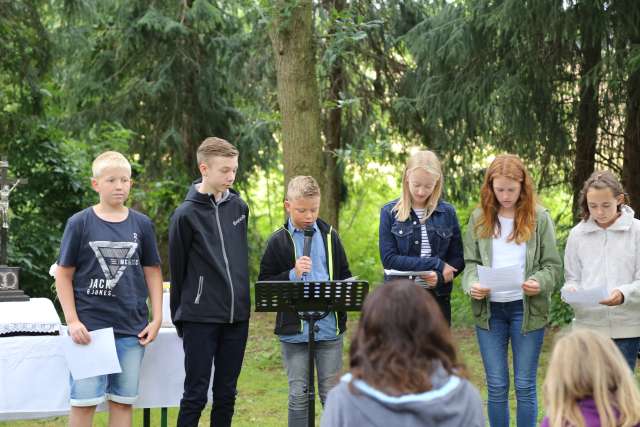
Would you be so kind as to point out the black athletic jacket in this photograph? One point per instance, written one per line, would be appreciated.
(209, 259)
(280, 257)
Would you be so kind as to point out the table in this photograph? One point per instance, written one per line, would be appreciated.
(38, 315)
(34, 378)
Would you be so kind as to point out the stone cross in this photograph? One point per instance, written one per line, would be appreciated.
(7, 185)
(9, 287)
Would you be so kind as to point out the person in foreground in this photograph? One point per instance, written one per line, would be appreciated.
(589, 384)
(509, 229)
(404, 367)
(108, 264)
(603, 253)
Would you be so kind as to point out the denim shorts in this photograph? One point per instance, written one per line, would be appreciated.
(120, 388)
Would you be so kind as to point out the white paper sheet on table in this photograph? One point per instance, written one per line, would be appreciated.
(406, 273)
(99, 357)
(584, 296)
(501, 279)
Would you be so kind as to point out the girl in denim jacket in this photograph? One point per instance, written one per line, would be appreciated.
(420, 232)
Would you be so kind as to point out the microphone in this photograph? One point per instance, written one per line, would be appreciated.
(306, 248)
(308, 237)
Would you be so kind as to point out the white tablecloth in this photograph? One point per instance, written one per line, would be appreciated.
(34, 378)
(35, 315)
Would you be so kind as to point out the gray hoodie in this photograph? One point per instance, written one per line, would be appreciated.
(453, 402)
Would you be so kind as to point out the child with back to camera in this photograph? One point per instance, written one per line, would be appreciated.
(404, 367)
(588, 384)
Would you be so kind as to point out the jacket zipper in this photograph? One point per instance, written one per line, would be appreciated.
(199, 294)
(226, 260)
(606, 265)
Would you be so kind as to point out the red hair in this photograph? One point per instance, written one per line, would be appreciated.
(507, 166)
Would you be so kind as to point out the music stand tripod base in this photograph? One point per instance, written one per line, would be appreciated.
(317, 299)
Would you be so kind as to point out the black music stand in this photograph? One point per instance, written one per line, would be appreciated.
(312, 301)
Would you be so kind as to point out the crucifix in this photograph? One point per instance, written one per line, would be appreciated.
(9, 290)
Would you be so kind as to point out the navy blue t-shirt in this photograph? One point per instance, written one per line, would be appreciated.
(109, 285)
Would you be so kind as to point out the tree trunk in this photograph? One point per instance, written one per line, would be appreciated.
(333, 127)
(631, 164)
(291, 34)
(588, 114)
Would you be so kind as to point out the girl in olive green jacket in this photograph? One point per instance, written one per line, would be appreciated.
(510, 230)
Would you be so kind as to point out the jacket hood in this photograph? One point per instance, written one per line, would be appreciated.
(193, 195)
(449, 397)
(623, 222)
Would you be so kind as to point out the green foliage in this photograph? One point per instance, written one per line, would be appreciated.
(165, 70)
(56, 189)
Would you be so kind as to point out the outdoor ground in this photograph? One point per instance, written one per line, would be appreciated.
(262, 389)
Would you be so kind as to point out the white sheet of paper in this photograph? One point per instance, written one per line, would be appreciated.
(405, 273)
(585, 296)
(501, 279)
(99, 357)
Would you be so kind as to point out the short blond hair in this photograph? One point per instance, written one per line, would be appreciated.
(215, 147)
(302, 187)
(109, 159)
(585, 364)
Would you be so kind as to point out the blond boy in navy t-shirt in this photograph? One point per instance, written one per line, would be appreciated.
(108, 265)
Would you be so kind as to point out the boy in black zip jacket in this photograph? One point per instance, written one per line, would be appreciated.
(282, 261)
(208, 258)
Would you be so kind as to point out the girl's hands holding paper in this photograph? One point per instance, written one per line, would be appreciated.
(448, 272)
(477, 291)
(616, 298)
(430, 279)
(531, 287)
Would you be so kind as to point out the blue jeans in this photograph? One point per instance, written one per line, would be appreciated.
(629, 348)
(120, 388)
(505, 324)
(328, 362)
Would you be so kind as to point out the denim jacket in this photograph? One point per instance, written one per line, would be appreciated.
(400, 242)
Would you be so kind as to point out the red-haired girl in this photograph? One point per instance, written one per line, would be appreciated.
(510, 230)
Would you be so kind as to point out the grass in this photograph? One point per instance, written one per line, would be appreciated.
(262, 388)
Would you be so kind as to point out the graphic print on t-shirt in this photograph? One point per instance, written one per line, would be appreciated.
(114, 258)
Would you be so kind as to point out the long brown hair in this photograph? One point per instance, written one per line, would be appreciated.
(429, 162)
(586, 364)
(508, 166)
(401, 339)
(600, 180)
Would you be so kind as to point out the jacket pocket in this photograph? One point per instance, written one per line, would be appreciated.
(200, 289)
(441, 239)
(478, 307)
(538, 306)
(401, 230)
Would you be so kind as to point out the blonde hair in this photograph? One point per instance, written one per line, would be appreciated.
(215, 147)
(587, 364)
(302, 186)
(427, 161)
(109, 159)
